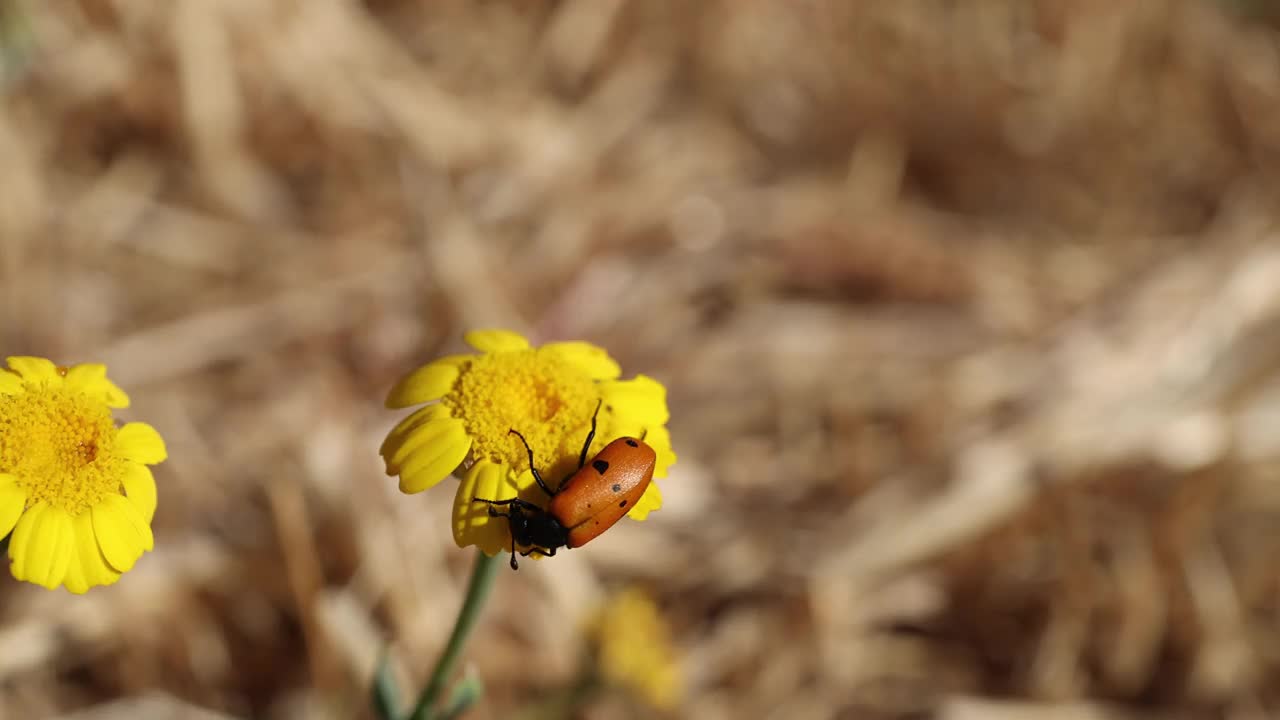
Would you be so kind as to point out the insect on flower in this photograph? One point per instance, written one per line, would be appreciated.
(552, 396)
(583, 505)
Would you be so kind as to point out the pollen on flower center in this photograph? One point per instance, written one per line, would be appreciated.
(57, 442)
(533, 392)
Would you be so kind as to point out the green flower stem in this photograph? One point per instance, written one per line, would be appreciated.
(483, 574)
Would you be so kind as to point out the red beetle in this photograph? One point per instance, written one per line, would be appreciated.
(586, 503)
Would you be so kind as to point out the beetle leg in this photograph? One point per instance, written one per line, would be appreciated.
(536, 476)
(582, 458)
(539, 551)
(514, 564)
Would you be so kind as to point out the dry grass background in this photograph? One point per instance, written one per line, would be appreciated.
(969, 312)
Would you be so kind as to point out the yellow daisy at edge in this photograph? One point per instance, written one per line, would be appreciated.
(634, 649)
(75, 489)
(547, 393)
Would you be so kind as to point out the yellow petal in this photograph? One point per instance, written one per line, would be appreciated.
(140, 443)
(434, 432)
(495, 341)
(74, 579)
(93, 565)
(655, 436)
(122, 533)
(472, 524)
(659, 438)
(651, 500)
(115, 397)
(10, 383)
(91, 378)
(42, 546)
(458, 361)
(140, 488)
(642, 400)
(590, 359)
(427, 383)
(21, 538)
(13, 500)
(86, 376)
(406, 425)
(405, 428)
(34, 369)
(433, 462)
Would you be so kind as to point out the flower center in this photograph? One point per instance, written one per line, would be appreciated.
(534, 393)
(57, 443)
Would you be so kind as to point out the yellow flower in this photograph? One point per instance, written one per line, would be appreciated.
(633, 649)
(547, 394)
(74, 488)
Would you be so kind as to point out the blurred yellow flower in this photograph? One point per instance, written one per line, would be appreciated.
(74, 488)
(547, 394)
(633, 649)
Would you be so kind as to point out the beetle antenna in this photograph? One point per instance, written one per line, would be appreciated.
(582, 458)
(644, 433)
(532, 469)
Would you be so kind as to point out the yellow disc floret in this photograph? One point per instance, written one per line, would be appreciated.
(58, 443)
(533, 392)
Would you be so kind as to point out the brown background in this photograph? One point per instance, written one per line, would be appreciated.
(969, 313)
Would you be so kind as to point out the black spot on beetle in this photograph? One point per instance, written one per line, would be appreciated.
(616, 487)
(622, 504)
(632, 443)
(600, 466)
